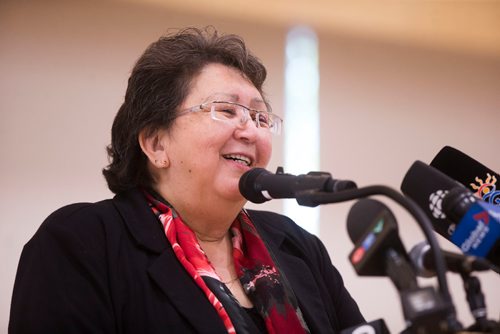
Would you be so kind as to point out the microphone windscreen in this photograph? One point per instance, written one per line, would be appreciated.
(466, 170)
(373, 230)
(427, 186)
(418, 256)
(361, 216)
(248, 185)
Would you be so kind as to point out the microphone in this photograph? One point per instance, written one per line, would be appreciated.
(471, 173)
(423, 261)
(455, 213)
(378, 250)
(258, 185)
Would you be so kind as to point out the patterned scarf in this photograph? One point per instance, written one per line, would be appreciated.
(264, 284)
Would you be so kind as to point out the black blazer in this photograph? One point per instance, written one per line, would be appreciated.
(107, 267)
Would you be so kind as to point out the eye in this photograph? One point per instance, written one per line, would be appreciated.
(225, 110)
(264, 120)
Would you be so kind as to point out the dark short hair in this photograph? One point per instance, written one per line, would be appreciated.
(159, 83)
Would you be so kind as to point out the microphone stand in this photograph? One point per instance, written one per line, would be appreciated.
(423, 309)
(314, 198)
(477, 305)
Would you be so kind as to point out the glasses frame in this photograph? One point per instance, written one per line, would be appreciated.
(275, 121)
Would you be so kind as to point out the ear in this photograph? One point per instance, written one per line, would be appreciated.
(154, 148)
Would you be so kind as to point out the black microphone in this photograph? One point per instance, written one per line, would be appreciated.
(258, 185)
(455, 213)
(471, 173)
(423, 261)
(378, 250)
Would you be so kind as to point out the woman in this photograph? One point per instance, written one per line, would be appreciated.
(174, 251)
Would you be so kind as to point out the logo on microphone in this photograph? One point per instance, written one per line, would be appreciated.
(477, 235)
(435, 203)
(368, 242)
(487, 189)
(478, 231)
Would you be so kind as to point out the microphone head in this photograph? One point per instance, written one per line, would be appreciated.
(427, 186)
(424, 264)
(249, 187)
(472, 174)
(361, 216)
(373, 229)
(418, 258)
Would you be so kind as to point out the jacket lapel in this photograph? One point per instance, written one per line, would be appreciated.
(290, 261)
(183, 292)
(165, 271)
(306, 291)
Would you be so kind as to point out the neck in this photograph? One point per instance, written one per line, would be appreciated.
(209, 218)
(209, 225)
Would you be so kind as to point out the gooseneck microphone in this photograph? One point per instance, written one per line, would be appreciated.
(258, 185)
(471, 173)
(425, 266)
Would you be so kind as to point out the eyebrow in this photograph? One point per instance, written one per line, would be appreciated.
(236, 98)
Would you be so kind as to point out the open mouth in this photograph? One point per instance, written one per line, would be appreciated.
(241, 159)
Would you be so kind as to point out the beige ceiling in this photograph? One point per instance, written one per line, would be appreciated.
(471, 26)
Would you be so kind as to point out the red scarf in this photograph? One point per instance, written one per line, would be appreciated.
(262, 281)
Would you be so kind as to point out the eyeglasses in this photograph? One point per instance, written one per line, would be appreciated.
(238, 114)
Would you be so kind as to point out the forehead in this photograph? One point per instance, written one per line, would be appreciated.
(224, 83)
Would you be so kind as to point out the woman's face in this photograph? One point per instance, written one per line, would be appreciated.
(207, 157)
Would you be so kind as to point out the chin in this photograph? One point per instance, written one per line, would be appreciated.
(233, 194)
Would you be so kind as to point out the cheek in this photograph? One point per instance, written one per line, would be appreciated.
(265, 149)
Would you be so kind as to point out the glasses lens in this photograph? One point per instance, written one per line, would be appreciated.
(276, 124)
(225, 111)
(261, 119)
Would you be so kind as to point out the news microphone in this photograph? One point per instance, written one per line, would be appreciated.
(258, 185)
(471, 173)
(423, 261)
(455, 213)
(378, 250)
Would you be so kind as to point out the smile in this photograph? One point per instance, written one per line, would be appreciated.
(239, 159)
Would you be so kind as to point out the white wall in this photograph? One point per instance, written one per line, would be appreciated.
(63, 72)
(385, 106)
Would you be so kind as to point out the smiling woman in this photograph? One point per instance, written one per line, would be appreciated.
(175, 250)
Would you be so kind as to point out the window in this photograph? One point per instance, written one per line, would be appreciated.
(301, 131)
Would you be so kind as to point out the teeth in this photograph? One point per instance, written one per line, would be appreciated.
(239, 158)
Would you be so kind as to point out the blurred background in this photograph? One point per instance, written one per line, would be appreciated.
(391, 82)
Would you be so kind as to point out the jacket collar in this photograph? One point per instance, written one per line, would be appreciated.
(140, 220)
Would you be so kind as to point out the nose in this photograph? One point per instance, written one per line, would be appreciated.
(247, 130)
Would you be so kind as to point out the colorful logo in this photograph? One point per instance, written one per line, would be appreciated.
(487, 190)
(368, 241)
(478, 234)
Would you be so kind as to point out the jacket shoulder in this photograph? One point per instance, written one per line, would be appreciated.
(281, 228)
(72, 215)
(81, 223)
